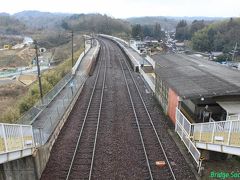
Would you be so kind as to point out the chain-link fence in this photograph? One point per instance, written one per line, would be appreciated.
(31, 115)
(45, 116)
(44, 130)
(51, 117)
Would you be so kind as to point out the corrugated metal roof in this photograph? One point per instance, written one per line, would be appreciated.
(192, 77)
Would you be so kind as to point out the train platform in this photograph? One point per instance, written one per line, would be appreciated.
(144, 65)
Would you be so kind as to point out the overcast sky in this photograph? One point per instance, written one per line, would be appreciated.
(129, 8)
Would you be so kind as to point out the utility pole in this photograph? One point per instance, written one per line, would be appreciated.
(39, 72)
(234, 51)
(72, 48)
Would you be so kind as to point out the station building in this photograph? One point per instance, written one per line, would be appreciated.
(202, 99)
(198, 87)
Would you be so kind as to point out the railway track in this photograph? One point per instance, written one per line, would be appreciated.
(111, 132)
(84, 153)
(150, 141)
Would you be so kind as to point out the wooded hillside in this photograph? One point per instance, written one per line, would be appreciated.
(221, 36)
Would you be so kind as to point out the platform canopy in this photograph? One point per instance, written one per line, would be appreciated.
(232, 107)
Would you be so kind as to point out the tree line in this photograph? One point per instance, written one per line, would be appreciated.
(219, 36)
(96, 23)
(10, 25)
(141, 31)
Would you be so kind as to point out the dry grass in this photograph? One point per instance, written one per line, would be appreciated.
(9, 39)
(8, 96)
(16, 58)
(64, 51)
(16, 100)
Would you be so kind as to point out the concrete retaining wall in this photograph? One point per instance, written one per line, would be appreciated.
(94, 60)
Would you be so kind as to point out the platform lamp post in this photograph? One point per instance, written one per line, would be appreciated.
(39, 72)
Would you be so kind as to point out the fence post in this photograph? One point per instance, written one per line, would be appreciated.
(214, 127)
(229, 132)
(21, 131)
(4, 138)
(189, 131)
(41, 135)
(189, 150)
(51, 120)
(183, 126)
(176, 115)
(200, 138)
(57, 111)
(33, 143)
(70, 97)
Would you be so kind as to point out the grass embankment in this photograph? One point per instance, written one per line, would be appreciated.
(49, 79)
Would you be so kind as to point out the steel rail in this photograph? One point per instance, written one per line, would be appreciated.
(136, 119)
(85, 117)
(150, 119)
(98, 122)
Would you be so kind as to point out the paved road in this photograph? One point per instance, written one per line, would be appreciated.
(6, 81)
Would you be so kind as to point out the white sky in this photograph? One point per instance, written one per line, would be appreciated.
(129, 8)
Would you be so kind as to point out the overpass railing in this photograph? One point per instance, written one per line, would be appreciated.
(184, 129)
(218, 132)
(14, 137)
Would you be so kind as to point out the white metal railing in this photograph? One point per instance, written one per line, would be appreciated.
(152, 62)
(148, 79)
(233, 117)
(183, 121)
(15, 137)
(184, 129)
(218, 132)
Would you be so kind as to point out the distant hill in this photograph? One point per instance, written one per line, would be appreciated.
(219, 36)
(32, 22)
(96, 23)
(168, 23)
(37, 19)
(4, 14)
(10, 25)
